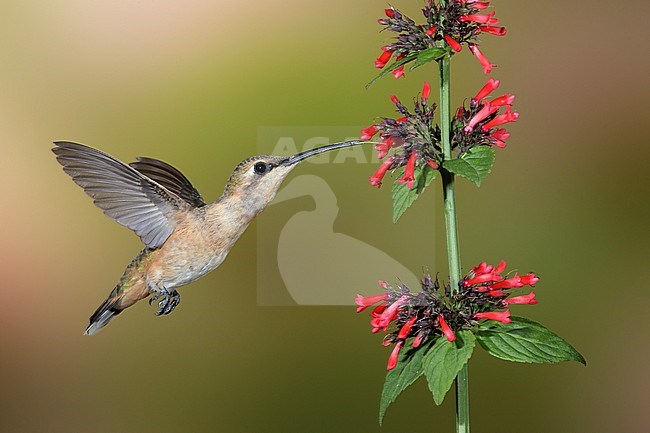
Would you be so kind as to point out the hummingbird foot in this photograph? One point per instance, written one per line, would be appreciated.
(170, 299)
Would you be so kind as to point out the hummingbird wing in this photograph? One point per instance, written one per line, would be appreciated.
(169, 177)
(124, 194)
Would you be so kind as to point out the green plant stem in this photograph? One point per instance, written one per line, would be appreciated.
(453, 252)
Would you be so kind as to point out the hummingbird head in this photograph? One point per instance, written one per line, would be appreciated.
(256, 179)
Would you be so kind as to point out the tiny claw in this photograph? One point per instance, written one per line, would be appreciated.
(154, 298)
(169, 301)
(174, 301)
(161, 305)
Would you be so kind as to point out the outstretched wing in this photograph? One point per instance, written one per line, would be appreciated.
(124, 194)
(169, 177)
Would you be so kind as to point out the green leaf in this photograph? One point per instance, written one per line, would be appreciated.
(474, 164)
(523, 340)
(428, 55)
(392, 67)
(403, 196)
(407, 370)
(445, 359)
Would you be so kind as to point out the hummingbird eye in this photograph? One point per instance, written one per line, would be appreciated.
(260, 167)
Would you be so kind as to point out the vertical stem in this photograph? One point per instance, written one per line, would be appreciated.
(453, 253)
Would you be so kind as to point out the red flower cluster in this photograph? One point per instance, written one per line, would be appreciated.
(490, 287)
(416, 141)
(412, 136)
(478, 124)
(436, 312)
(453, 24)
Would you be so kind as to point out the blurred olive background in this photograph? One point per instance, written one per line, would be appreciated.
(190, 82)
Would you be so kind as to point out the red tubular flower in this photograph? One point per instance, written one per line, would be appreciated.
(489, 87)
(383, 147)
(376, 312)
(499, 316)
(409, 172)
(480, 5)
(479, 18)
(502, 100)
(401, 119)
(500, 267)
(483, 278)
(506, 117)
(376, 322)
(364, 302)
(390, 13)
(487, 66)
(432, 164)
(381, 61)
(528, 299)
(418, 340)
(376, 178)
(510, 283)
(499, 136)
(446, 330)
(459, 112)
(390, 313)
(493, 30)
(406, 329)
(426, 90)
(392, 360)
(399, 72)
(369, 132)
(394, 99)
(483, 268)
(480, 116)
(495, 293)
(452, 43)
(529, 279)
(431, 30)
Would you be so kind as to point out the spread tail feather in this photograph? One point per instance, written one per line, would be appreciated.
(102, 316)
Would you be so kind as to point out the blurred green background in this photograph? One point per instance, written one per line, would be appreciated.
(190, 82)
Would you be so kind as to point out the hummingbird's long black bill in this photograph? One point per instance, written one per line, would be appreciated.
(318, 150)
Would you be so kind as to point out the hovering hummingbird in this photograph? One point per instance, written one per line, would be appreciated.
(184, 237)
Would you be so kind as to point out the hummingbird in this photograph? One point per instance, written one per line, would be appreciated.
(184, 237)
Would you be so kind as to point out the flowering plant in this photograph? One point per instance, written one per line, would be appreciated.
(448, 25)
(433, 332)
(429, 321)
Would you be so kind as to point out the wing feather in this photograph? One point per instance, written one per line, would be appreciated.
(126, 195)
(170, 178)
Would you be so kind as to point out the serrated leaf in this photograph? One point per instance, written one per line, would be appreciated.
(445, 359)
(407, 370)
(428, 55)
(403, 196)
(392, 67)
(474, 164)
(523, 340)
